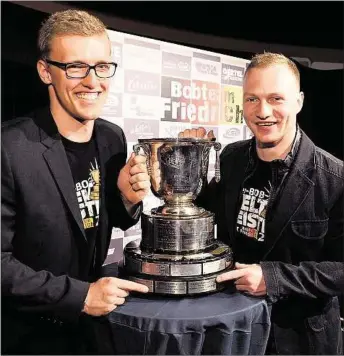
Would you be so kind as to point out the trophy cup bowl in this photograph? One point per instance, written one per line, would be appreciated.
(178, 253)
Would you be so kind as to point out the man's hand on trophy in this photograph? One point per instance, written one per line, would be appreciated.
(107, 293)
(133, 180)
(199, 133)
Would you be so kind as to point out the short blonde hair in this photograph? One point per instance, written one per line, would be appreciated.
(68, 22)
(267, 59)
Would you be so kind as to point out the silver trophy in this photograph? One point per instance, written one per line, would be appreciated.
(178, 253)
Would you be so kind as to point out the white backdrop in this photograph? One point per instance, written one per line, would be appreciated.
(162, 88)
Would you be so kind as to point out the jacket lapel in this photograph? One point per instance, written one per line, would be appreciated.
(103, 149)
(297, 188)
(104, 154)
(56, 158)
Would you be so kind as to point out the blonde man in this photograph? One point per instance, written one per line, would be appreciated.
(279, 204)
(65, 185)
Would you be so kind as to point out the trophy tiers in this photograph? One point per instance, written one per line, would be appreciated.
(178, 253)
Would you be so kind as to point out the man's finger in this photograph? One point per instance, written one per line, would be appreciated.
(145, 185)
(228, 276)
(186, 133)
(242, 287)
(137, 160)
(241, 265)
(193, 133)
(201, 132)
(131, 286)
(211, 134)
(139, 177)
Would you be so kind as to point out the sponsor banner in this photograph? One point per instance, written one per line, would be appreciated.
(232, 74)
(179, 49)
(115, 120)
(141, 55)
(151, 201)
(211, 171)
(140, 128)
(172, 129)
(206, 67)
(128, 239)
(115, 36)
(117, 233)
(161, 89)
(113, 105)
(230, 134)
(115, 252)
(143, 83)
(175, 65)
(194, 101)
(142, 107)
(117, 52)
(117, 81)
(231, 105)
(247, 132)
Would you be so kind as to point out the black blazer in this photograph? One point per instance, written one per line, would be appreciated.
(45, 259)
(303, 264)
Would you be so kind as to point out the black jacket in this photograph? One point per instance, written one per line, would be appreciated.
(303, 263)
(45, 259)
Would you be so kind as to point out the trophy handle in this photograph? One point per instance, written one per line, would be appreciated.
(146, 151)
(217, 147)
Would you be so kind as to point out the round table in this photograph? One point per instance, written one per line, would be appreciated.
(224, 323)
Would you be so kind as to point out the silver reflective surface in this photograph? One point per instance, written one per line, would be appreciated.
(178, 169)
(176, 235)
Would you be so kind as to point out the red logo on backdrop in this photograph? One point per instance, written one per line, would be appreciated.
(193, 101)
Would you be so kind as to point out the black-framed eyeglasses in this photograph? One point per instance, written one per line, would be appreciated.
(79, 70)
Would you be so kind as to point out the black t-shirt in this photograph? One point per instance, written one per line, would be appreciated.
(83, 161)
(250, 226)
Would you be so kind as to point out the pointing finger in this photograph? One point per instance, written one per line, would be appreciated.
(131, 286)
(228, 276)
(241, 265)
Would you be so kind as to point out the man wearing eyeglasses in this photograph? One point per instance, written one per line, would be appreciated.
(65, 185)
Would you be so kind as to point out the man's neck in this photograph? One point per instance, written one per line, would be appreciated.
(71, 128)
(280, 151)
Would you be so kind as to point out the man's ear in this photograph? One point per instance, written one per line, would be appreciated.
(300, 101)
(43, 72)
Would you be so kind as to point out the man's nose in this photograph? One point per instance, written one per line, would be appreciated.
(91, 80)
(264, 111)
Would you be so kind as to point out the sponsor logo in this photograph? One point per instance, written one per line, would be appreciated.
(206, 68)
(232, 132)
(196, 102)
(113, 105)
(137, 106)
(232, 74)
(136, 82)
(136, 128)
(117, 50)
(176, 65)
